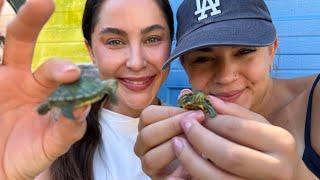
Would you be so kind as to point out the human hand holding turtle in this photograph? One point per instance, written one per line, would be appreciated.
(88, 89)
(236, 144)
(157, 126)
(29, 142)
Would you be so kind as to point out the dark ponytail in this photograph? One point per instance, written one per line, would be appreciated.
(77, 163)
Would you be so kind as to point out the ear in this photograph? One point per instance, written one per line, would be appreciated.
(181, 58)
(273, 49)
(89, 48)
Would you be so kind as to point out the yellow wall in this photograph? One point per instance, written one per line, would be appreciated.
(62, 35)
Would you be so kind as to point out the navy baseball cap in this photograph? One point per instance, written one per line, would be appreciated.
(203, 23)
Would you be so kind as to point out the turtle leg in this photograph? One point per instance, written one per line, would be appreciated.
(212, 113)
(43, 108)
(67, 111)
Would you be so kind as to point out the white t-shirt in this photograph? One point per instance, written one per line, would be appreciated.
(114, 158)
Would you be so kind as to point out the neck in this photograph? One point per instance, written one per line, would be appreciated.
(276, 98)
(269, 103)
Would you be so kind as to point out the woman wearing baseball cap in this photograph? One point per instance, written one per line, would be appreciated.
(266, 128)
(128, 41)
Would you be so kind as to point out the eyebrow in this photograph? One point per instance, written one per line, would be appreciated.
(207, 49)
(123, 33)
(152, 28)
(113, 31)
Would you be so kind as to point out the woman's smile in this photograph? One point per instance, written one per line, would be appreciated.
(137, 83)
(230, 96)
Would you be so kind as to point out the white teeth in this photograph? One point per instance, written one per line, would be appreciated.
(136, 82)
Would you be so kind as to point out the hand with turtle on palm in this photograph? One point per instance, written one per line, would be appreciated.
(29, 142)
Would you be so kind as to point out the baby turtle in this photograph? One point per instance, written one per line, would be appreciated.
(196, 101)
(88, 89)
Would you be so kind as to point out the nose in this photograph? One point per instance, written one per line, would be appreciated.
(226, 73)
(136, 60)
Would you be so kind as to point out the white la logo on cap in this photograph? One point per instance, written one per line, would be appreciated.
(203, 8)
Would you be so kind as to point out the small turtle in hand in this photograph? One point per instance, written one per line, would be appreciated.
(88, 89)
(197, 101)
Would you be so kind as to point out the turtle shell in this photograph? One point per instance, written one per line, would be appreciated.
(197, 101)
(85, 88)
(88, 89)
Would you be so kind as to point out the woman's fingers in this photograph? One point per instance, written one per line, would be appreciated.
(54, 72)
(227, 155)
(153, 114)
(184, 92)
(63, 132)
(227, 108)
(1, 4)
(195, 165)
(260, 136)
(23, 32)
(157, 133)
(158, 159)
(179, 174)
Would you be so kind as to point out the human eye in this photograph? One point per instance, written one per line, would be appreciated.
(153, 40)
(2, 40)
(202, 60)
(245, 51)
(114, 42)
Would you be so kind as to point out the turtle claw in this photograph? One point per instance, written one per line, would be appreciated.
(67, 112)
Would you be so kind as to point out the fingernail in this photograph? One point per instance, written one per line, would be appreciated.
(197, 115)
(177, 145)
(183, 92)
(187, 124)
(85, 114)
(69, 67)
(215, 101)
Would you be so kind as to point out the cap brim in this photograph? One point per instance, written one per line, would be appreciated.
(244, 32)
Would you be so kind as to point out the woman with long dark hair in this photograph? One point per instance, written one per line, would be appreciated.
(128, 41)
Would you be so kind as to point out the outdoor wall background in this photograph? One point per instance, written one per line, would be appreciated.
(298, 26)
(62, 35)
(297, 23)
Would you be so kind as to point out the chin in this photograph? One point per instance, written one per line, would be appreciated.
(138, 105)
(139, 102)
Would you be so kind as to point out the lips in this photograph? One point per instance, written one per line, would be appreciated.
(137, 83)
(230, 96)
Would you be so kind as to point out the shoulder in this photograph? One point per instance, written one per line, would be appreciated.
(292, 93)
(315, 123)
(299, 90)
(299, 85)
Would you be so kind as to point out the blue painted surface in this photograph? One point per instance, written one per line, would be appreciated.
(298, 26)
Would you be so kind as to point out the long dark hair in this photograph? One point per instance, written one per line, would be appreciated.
(77, 163)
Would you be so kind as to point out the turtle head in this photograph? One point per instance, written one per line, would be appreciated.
(110, 89)
(43, 108)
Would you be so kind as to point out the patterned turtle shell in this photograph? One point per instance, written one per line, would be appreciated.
(88, 89)
(197, 101)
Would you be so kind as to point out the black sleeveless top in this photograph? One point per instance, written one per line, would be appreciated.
(310, 156)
